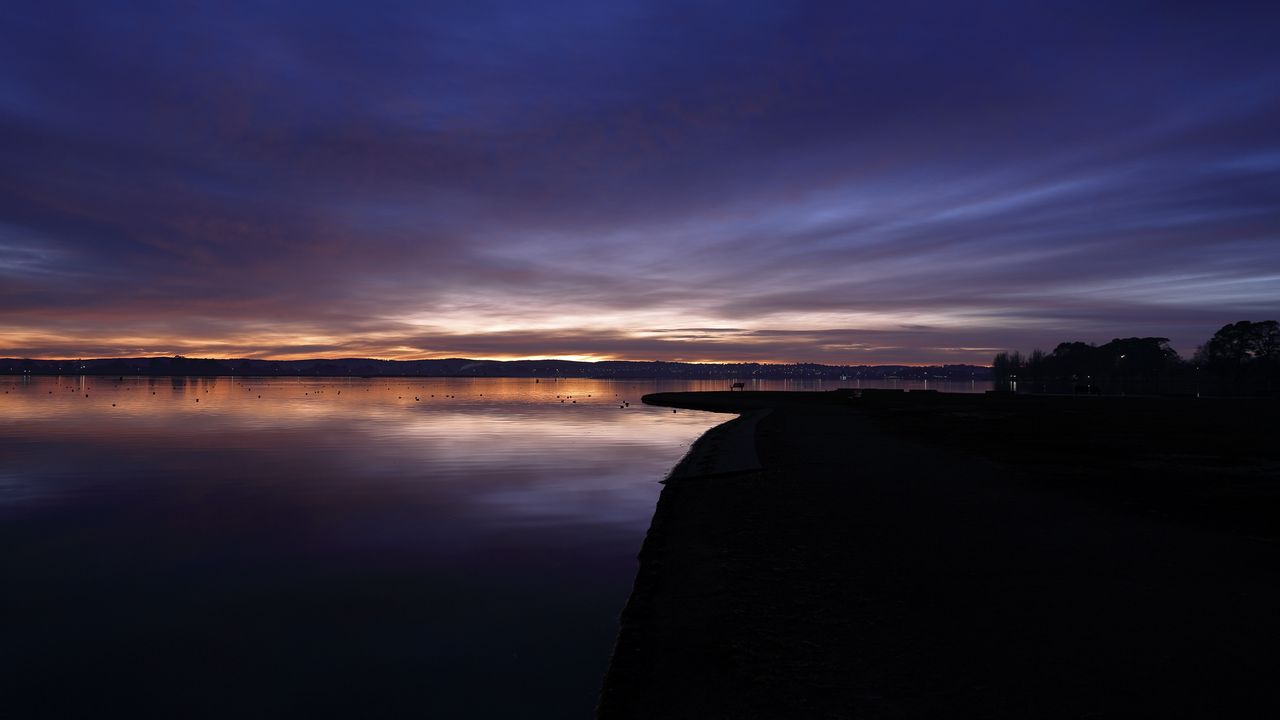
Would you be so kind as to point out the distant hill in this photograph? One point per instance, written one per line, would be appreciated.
(461, 367)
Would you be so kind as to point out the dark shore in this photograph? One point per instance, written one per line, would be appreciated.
(926, 555)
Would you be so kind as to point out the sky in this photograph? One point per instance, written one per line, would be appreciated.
(846, 183)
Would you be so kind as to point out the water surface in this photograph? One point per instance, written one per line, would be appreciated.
(197, 547)
(230, 546)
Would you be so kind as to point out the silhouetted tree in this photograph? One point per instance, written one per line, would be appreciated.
(1000, 365)
(1244, 356)
(1241, 358)
(1124, 359)
(1007, 365)
(1147, 358)
(1243, 344)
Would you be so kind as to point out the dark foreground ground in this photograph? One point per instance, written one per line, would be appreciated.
(964, 556)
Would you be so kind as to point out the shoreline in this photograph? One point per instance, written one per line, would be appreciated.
(883, 562)
(727, 448)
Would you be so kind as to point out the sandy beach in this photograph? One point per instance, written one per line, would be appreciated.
(897, 556)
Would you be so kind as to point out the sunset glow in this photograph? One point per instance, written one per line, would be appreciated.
(601, 181)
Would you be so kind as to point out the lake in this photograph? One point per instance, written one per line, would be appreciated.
(229, 547)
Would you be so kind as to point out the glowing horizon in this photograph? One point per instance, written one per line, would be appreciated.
(763, 183)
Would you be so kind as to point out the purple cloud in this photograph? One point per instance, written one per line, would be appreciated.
(907, 183)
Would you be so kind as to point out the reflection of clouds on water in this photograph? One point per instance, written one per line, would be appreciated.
(485, 452)
(329, 527)
(595, 493)
(482, 453)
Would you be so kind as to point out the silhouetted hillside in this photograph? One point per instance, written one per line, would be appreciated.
(461, 367)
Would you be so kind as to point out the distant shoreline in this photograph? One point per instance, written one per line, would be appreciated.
(463, 367)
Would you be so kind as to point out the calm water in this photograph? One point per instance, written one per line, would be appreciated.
(264, 547)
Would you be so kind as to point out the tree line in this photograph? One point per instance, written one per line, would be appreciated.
(1242, 357)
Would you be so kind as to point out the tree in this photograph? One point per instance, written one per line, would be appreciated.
(1146, 357)
(1243, 344)
(1000, 365)
(1035, 363)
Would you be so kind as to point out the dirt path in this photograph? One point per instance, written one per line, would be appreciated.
(864, 574)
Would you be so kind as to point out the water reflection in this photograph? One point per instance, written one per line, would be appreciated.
(271, 547)
(242, 546)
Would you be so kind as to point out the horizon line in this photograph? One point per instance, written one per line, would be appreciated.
(495, 360)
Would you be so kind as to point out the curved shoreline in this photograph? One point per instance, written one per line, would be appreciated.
(726, 449)
(926, 555)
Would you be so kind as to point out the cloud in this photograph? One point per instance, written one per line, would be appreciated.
(493, 178)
